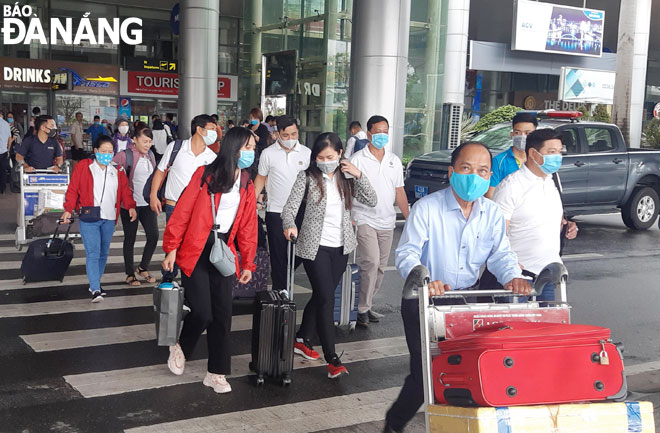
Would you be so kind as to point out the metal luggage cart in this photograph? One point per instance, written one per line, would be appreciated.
(438, 322)
(30, 185)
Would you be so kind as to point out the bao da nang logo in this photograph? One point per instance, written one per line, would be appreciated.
(22, 26)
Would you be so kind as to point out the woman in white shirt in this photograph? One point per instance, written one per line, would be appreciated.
(138, 162)
(326, 238)
(161, 139)
(122, 137)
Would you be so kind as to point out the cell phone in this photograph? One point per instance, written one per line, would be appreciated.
(347, 175)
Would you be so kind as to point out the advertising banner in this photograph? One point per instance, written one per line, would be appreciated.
(550, 28)
(139, 83)
(586, 86)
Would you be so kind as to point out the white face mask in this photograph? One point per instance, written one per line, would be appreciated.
(288, 144)
(123, 129)
(210, 137)
(327, 167)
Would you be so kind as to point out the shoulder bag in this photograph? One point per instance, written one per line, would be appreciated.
(221, 256)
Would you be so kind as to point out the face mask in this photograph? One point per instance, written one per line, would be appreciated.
(519, 141)
(288, 144)
(380, 140)
(210, 137)
(328, 167)
(469, 187)
(103, 158)
(52, 133)
(551, 163)
(97, 123)
(105, 125)
(246, 159)
(10, 120)
(254, 122)
(123, 129)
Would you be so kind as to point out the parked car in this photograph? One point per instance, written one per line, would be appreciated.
(599, 174)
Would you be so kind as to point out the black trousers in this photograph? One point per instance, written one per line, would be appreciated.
(277, 246)
(149, 222)
(208, 294)
(4, 171)
(324, 273)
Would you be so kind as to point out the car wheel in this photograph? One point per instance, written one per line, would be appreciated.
(641, 211)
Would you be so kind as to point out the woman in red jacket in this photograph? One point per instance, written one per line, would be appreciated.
(188, 239)
(99, 188)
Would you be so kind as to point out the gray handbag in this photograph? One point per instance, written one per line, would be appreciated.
(221, 256)
(168, 311)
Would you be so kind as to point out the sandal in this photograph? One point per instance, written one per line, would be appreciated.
(131, 280)
(146, 275)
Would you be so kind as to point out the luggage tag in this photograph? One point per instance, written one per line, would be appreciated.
(604, 359)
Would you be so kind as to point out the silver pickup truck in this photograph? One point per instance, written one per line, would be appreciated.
(598, 173)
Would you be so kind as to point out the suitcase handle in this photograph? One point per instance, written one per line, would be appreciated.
(66, 236)
(290, 265)
(455, 379)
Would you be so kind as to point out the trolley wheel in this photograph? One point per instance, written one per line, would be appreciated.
(260, 381)
(351, 327)
(286, 382)
(24, 281)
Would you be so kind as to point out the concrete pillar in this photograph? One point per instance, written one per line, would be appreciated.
(433, 64)
(379, 64)
(631, 60)
(458, 20)
(198, 47)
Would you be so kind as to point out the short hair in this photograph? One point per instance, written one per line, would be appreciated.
(215, 117)
(169, 116)
(230, 122)
(40, 120)
(356, 124)
(100, 140)
(284, 122)
(143, 130)
(257, 114)
(36, 111)
(95, 117)
(77, 113)
(269, 118)
(457, 152)
(536, 140)
(244, 121)
(155, 116)
(524, 117)
(376, 119)
(201, 120)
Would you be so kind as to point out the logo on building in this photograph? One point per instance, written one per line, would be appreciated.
(90, 82)
(22, 26)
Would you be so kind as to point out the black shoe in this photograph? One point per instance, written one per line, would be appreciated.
(389, 429)
(96, 297)
(374, 317)
(103, 292)
(363, 320)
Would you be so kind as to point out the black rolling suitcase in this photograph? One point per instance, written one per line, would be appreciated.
(47, 259)
(274, 332)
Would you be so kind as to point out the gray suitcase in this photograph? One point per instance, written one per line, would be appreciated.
(168, 311)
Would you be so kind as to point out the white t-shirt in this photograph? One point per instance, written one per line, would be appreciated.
(384, 177)
(183, 168)
(532, 206)
(332, 234)
(121, 145)
(160, 140)
(350, 143)
(141, 173)
(228, 207)
(109, 196)
(282, 168)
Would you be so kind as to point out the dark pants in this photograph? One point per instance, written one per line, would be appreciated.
(208, 294)
(4, 171)
(277, 245)
(167, 275)
(149, 222)
(324, 273)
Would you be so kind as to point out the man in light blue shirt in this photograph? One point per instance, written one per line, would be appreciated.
(453, 232)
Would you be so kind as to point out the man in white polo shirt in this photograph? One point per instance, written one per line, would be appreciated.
(193, 154)
(375, 225)
(278, 169)
(531, 203)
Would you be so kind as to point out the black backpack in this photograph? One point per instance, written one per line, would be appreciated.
(129, 160)
(360, 143)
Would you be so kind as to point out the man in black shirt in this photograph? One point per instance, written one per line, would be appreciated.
(42, 150)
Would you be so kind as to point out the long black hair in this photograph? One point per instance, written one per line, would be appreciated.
(345, 186)
(219, 175)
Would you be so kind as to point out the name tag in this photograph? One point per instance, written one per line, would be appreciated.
(50, 147)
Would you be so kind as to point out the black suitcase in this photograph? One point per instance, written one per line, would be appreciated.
(274, 330)
(47, 259)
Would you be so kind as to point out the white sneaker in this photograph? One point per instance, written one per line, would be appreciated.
(177, 361)
(218, 382)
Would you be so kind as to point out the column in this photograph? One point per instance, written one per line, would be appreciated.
(379, 64)
(198, 47)
(458, 19)
(255, 55)
(432, 67)
(631, 59)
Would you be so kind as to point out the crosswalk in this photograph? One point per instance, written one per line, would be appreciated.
(70, 365)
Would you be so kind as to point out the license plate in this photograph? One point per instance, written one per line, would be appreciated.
(421, 191)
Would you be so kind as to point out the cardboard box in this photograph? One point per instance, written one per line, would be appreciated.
(50, 201)
(563, 418)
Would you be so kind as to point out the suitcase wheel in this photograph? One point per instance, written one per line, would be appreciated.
(351, 327)
(260, 381)
(286, 381)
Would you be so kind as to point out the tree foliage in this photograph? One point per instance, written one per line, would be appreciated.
(651, 136)
(499, 115)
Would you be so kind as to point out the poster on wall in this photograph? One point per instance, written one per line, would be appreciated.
(586, 85)
(550, 28)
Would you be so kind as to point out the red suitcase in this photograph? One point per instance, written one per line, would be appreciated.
(522, 363)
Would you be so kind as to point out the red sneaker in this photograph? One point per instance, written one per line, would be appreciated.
(305, 348)
(335, 368)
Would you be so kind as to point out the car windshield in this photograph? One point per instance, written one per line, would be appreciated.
(496, 138)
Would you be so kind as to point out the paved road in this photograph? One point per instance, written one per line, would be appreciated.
(71, 366)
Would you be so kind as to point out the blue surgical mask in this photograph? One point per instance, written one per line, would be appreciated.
(246, 159)
(10, 119)
(551, 163)
(254, 122)
(97, 123)
(380, 140)
(469, 187)
(210, 137)
(104, 158)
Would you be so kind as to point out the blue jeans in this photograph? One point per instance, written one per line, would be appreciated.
(167, 275)
(548, 293)
(96, 238)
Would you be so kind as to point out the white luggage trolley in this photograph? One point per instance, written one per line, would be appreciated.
(438, 322)
(31, 184)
